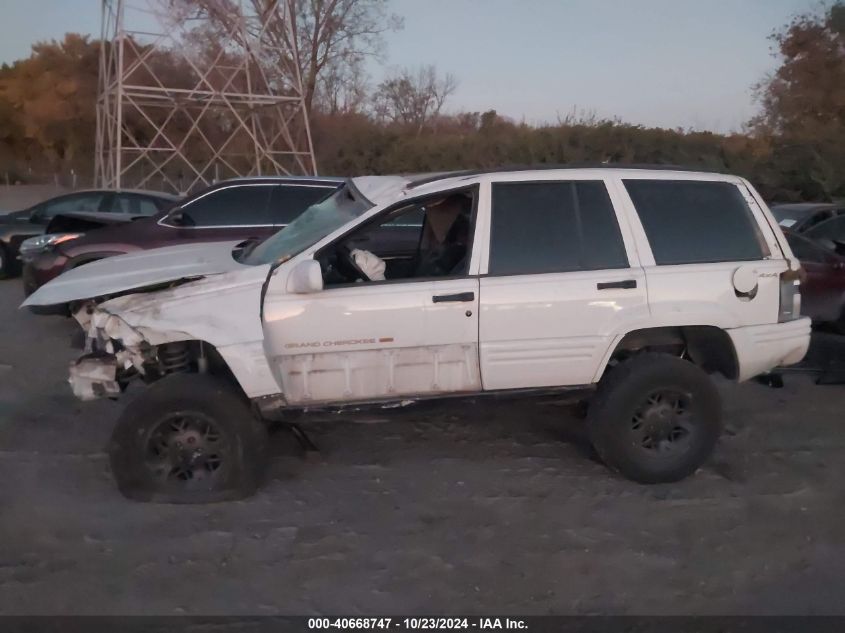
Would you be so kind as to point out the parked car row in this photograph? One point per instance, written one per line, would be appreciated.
(248, 208)
(50, 222)
(619, 287)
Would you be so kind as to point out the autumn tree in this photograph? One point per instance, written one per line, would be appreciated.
(332, 39)
(338, 35)
(413, 97)
(803, 102)
(49, 98)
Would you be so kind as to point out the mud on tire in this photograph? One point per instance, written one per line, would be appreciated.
(655, 418)
(188, 438)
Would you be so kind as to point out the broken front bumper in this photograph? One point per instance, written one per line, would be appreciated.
(93, 377)
(114, 352)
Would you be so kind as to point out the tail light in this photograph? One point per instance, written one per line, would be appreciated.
(790, 295)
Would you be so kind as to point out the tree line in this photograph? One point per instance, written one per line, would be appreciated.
(793, 150)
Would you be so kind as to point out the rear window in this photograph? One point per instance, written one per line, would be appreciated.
(831, 230)
(693, 221)
(132, 204)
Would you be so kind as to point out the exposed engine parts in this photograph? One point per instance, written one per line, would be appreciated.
(174, 357)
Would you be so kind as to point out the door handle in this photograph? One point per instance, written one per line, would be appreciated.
(461, 296)
(627, 283)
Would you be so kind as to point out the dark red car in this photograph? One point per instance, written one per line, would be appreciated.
(236, 209)
(823, 289)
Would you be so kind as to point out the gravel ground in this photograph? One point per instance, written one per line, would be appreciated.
(472, 508)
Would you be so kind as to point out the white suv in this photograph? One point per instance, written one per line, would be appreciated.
(621, 287)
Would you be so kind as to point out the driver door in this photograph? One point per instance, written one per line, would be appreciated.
(374, 340)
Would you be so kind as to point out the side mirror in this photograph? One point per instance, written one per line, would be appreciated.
(37, 216)
(306, 278)
(176, 218)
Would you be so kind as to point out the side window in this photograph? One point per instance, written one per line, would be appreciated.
(817, 218)
(86, 202)
(412, 219)
(425, 239)
(231, 206)
(693, 221)
(133, 204)
(543, 227)
(831, 230)
(289, 201)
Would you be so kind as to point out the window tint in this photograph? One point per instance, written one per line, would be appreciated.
(805, 250)
(411, 219)
(553, 227)
(424, 239)
(289, 201)
(689, 221)
(817, 218)
(77, 202)
(231, 206)
(832, 230)
(133, 204)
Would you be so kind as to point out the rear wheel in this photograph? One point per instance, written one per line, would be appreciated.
(188, 438)
(655, 418)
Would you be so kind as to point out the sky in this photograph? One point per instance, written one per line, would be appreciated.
(666, 63)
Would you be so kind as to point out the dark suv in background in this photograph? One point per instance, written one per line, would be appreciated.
(235, 209)
(72, 211)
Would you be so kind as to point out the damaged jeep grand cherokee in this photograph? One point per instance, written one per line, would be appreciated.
(623, 288)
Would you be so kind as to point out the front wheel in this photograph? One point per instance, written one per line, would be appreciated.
(188, 438)
(655, 418)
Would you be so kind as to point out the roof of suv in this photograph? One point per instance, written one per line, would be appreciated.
(384, 189)
(423, 179)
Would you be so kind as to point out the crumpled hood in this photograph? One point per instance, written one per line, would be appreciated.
(137, 270)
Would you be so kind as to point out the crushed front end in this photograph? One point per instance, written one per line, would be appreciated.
(115, 353)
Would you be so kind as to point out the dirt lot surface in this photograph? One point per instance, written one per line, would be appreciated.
(475, 509)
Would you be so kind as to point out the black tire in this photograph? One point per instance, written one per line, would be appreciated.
(838, 326)
(7, 263)
(655, 418)
(188, 438)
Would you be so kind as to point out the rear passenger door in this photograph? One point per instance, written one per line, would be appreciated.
(698, 237)
(562, 278)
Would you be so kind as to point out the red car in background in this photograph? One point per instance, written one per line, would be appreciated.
(237, 209)
(823, 289)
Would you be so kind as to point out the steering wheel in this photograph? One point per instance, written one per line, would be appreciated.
(346, 262)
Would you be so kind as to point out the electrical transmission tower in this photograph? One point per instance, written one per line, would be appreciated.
(193, 92)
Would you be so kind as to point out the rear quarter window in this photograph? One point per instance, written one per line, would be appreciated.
(695, 221)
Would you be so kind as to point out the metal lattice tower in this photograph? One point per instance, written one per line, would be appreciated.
(203, 94)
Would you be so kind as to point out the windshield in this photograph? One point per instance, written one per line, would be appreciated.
(314, 224)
